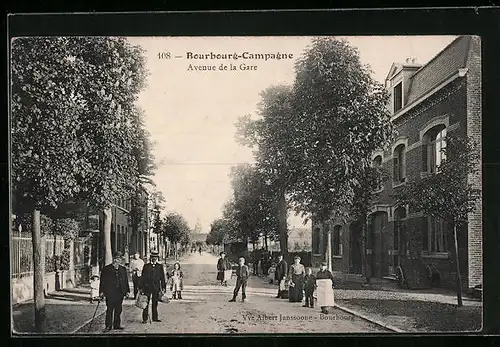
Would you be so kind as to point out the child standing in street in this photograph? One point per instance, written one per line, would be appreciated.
(176, 286)
(309, 287)
(94, 288)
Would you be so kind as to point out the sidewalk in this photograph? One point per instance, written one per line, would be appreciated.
(403, 310)
(66, 311)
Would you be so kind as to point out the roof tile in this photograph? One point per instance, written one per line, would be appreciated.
(442, 66)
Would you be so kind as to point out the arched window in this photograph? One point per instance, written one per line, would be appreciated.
(316, 240)
(399, 164)
(433, 145)
(377, 163)
(336, 249)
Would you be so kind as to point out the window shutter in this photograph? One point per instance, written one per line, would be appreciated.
(425, 149)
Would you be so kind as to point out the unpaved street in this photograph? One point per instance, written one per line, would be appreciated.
(205, 309)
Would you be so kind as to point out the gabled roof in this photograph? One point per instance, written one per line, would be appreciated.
(438, 69)
(396, 67)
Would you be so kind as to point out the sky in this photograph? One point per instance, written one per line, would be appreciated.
(191, 114)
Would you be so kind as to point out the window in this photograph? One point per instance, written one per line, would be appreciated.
(398, 97)
(435, 237)
(433, 145)
(399, 164)
(336, 240)
(316, 240)
(377, 163)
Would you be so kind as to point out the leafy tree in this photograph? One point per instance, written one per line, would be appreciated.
(218, 231)
(448, 195)
(176, 229)
(46, 160)
(339, 118)
(112, 77)
(72, 115)
(146, 168)
(270, 136)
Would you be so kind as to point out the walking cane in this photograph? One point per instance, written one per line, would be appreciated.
(93, 317)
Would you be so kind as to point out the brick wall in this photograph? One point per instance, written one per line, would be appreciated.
(474, 114)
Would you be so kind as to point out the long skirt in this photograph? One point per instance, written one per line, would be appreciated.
(220, 275)
(295, 291)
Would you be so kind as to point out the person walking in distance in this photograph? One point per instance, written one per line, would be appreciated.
(114, 287)
(280, 275)
(136, 266)
(242, 274)
(152, 284)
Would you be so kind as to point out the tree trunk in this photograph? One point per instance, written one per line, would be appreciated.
(175, 251)
(38, 274)
(265, 241)
(329, 249)
(457, 269)
(108, 257)
(364, 259)
(282, 226)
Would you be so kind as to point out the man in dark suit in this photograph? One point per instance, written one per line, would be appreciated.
(152, 283)
(242, 274)
(114, 286)
(280, 273)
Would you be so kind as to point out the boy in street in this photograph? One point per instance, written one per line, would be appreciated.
(309, 286)
(242, 273)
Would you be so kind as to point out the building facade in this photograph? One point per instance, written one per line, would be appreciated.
(427, 103)
(129, 229)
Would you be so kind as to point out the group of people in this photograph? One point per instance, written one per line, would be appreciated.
(148, 279)
(303, 282)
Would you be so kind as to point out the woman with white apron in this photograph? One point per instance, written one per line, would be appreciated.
(324, 282)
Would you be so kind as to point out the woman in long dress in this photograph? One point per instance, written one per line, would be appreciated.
(296, 277)
(224, 270)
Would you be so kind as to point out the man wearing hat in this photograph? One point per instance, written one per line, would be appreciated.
(152, 283)
(223, 267)
(114, 286)
(280, 274)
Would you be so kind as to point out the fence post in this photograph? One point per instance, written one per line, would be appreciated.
(71, 272)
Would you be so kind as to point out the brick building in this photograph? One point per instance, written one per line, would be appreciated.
(427, 102)
(124, 238)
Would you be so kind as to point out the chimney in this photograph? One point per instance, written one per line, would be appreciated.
(408, 60)
(413, 60)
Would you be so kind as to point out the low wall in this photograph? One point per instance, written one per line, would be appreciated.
(22, 288)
